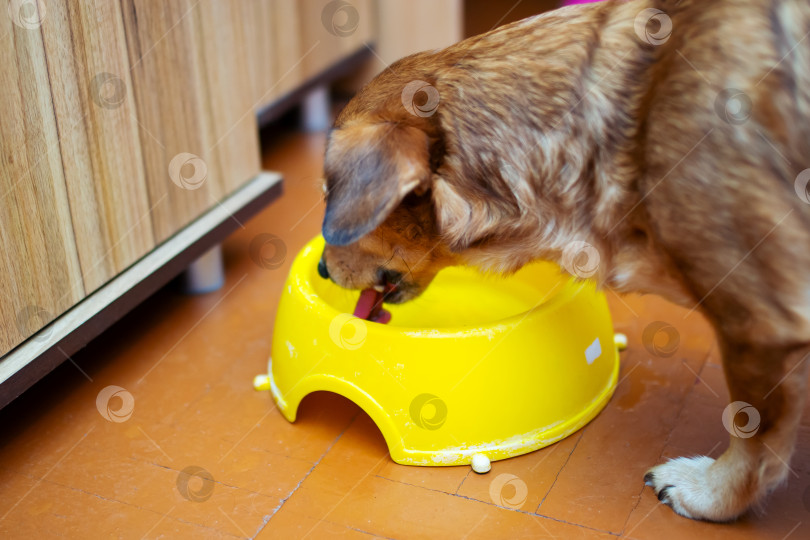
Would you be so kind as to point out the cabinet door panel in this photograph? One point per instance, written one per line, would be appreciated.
(331, 30)
(288, 68)
(95, 114)
(39, 265)
(292, 40)
(418, 25)
(198, 130)
(223, 40)
(259, 19)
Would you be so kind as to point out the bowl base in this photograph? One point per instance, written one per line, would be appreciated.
(463, 454)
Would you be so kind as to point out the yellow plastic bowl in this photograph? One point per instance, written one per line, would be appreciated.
(476, 365)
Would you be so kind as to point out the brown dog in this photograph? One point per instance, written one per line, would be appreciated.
(670, 137)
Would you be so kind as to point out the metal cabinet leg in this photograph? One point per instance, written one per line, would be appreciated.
(315, 110)
(206, 274)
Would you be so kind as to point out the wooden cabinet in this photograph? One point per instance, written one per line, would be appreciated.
(195, 111)
(40, 273)
(122, 122)
(416, 25)
(98, 137)
(128, 128)
(294, 40)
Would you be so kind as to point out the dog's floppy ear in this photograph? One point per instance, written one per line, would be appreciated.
(369, 169)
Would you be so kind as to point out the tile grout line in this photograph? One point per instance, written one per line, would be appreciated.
(462, 482)
(145, 509)
(216, 482)
(580, 525)
(308, 473)
(421, 487)
(557, 476)
(669, 435)
(528, 513)
(49, 471)
(686, 399)
(321, 520)
(158, 522)
(373, 535)
(655, 506)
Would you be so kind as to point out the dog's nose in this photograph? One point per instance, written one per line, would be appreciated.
(322, 270)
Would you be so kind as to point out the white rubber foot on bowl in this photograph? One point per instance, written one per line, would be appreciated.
(620, 340)
(480, 463)
(261, 382)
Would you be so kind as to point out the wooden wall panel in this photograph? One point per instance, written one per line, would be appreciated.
(167, 78)
(231, 104)
(331, 30)
(274, 43)
(258, 22)
(418, 25)
(291, 41)
(39, 265)
(288, 67)
(95, 114)
(198, 142)
(297, 39)
(124, 121)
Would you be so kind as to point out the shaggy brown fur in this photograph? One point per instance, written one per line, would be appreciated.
(576, 126)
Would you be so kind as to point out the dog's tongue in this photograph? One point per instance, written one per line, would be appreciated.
(369, 299)
(369, 307)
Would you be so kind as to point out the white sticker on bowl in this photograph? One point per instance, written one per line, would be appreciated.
(593, 351)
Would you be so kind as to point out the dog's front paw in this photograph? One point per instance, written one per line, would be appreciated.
(693, 489)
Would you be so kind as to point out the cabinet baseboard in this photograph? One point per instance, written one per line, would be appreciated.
(24, 365)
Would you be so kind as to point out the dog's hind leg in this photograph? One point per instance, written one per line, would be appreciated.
(766, 385)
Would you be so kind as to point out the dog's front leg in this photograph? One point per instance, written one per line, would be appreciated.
(766, 385)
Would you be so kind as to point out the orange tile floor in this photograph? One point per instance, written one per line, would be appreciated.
(204, 455)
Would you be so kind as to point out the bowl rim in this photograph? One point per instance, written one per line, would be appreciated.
(571, 287)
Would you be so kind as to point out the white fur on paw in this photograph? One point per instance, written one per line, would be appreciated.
(688, 487)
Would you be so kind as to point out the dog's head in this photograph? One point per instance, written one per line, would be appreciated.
(406, 195)
(380, 170)
(380, 224)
